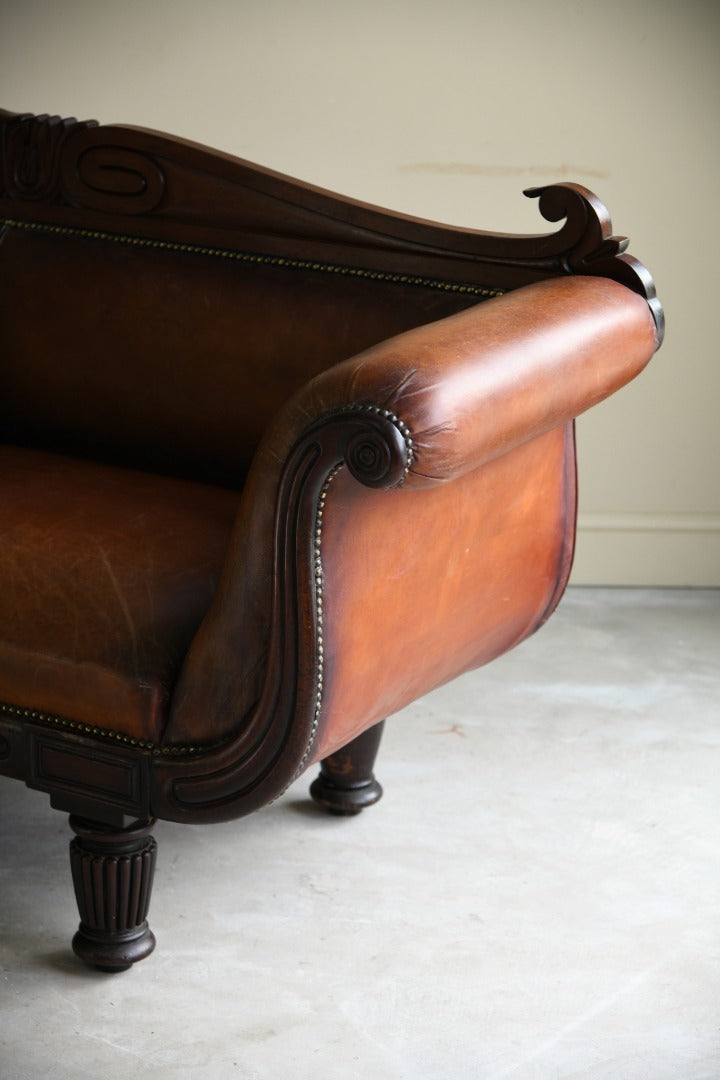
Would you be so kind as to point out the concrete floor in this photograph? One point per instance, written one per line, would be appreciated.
(537, 897)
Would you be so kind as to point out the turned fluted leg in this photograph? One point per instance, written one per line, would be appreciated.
(346, 784)
(112, 873)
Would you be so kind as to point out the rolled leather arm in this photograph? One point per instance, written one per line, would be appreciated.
(473, 386)
(457, 393)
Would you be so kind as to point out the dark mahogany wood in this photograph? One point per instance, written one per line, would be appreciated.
(140, 182)
(346, 784)
(112, 872)
(74, 773)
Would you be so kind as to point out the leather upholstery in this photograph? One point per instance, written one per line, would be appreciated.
(131, 560)
(470, 388)
(468, 578)
(106, 574)
(123, 380)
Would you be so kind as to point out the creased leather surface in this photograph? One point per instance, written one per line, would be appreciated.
(475, 385)
(471, 388)
(422, 585)
(105, 575)
(171, 362)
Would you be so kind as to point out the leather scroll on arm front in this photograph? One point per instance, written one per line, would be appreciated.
(423, 409)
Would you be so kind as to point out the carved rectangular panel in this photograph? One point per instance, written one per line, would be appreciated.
(115, 777)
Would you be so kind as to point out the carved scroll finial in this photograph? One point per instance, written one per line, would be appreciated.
(587, 233)
(590, 247)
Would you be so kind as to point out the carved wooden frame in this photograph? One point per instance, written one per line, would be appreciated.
(129, 180)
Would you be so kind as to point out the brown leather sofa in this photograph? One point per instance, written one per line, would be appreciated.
(274, 463)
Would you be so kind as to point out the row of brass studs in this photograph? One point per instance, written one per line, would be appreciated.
(317, 561)
(318, 570)
(39, 717)
(318, 577)
(262, 260)
(36, 716)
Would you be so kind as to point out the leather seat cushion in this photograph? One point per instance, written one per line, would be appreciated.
(105, 575)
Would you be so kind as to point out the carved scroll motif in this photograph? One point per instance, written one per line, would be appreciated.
(586, 244)
(111, 178)
(31, 150)
(71, 162)
(587, 232)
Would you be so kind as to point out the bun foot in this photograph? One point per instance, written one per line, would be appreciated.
(344, 801)
(346, 784)
(118, 954)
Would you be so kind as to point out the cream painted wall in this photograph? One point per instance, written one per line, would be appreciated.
(447, 110)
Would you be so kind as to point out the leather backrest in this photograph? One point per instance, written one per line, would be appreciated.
(161, 357)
